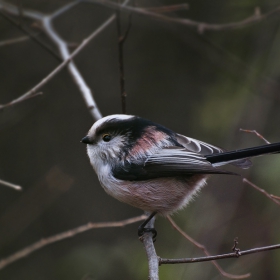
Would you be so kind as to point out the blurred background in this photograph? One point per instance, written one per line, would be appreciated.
(205, 85)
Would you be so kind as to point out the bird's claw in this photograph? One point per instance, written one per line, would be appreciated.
(142, 230)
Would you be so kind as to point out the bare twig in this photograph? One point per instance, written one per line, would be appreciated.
(87, 96)
(13, 41)
(169, 8)
(73, 70)
(64, 9)
(27, 97)
(62, 45)
(200, 26)
(151, 252)
(29, 34)
(64, 235)
(218, 257)
(272, 197)
(234, 248)
(202, 247)
(8, 184)
(46, 21)
(275, 196)
(12, 9)
(255, 132)
(121, 40)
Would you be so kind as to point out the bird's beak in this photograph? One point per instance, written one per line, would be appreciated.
(86, 140)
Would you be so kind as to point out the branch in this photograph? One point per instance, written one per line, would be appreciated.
(12, 9)
(272, 197)
(237, 253)
(30, 35)
(151, 252)
(255, 132)
(275, 196)
(8, 184)
(73, 70)
(64, 9)
(202, 247)
(20, 99)
(64, 235)
(200, 26)
(87, 95)
(46, 21)
(62, 46)
(13, 41)
(169, 8)
(121, 40)
(218, 257)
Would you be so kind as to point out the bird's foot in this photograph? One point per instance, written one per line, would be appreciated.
(142, 230)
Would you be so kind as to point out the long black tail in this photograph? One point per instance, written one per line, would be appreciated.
(244, 153)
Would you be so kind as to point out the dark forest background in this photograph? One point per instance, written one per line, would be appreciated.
(205, 85)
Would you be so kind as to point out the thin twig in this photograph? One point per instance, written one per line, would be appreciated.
(272, 197)
(202, 247)
(275, 196)
(168, 9)
(89, 99)
(27, 97)
(64, 235)
(46, 21)
(8, 184)
(73, 70)
(64, 9)
(255, 132)
(13, 41)
(218, 257)
(30, 35)
(121, 40)
(200, 26)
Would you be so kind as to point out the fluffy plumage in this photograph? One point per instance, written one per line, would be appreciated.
(148, 165)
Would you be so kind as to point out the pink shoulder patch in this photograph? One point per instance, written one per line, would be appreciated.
(148, 140)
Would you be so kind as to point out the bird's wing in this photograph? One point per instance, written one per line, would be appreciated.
(196, 146)
(167, 162)
(206, 149)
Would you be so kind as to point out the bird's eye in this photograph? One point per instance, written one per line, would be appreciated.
(106, 137)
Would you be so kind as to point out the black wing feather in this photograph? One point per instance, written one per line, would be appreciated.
(168, 162)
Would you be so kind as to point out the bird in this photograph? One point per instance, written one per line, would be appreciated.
(151, 167)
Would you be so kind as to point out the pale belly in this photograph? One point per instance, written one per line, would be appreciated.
(162, 195)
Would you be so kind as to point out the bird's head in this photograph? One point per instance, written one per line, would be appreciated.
(119, 138)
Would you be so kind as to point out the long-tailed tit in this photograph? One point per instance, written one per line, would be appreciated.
(153, 168)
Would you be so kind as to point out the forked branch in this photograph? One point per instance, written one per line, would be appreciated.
(219, 257)
(200, 26)
(203, 248)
